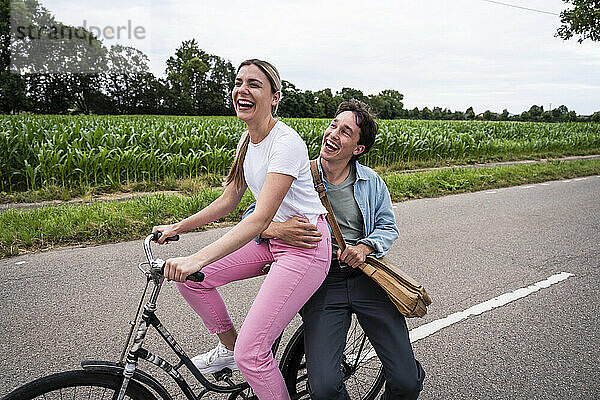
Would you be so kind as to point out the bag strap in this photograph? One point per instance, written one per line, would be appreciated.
(321, 190)
(335, 228)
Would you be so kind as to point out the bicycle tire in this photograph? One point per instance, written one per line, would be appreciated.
(74, 384)
(362, 383)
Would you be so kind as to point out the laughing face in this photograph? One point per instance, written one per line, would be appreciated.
(252, 94)
(340, 141)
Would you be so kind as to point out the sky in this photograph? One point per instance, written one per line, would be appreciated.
(451, 54)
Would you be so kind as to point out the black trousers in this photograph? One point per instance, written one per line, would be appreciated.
(327, 316)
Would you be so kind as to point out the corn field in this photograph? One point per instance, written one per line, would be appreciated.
(70, 151)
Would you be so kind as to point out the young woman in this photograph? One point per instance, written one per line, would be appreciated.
(272, 160)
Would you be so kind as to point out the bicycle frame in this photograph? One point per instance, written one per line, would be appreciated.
(119, 375)
(149, 319)
(137, 351)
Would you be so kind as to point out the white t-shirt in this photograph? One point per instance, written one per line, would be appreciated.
(283, 151)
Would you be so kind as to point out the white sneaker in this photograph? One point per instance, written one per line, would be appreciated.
(215, 360)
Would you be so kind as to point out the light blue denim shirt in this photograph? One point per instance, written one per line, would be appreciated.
(373, 199)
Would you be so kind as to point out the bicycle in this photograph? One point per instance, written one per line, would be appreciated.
(363, 372)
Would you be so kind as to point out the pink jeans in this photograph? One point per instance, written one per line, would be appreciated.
(296, 273)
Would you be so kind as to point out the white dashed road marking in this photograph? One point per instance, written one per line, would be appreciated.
(20, 262)
(432, 327)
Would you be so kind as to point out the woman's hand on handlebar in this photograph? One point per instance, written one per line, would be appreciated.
(167, 232)
(179, 268)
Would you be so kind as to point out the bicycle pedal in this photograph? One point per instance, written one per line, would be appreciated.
(225, 373)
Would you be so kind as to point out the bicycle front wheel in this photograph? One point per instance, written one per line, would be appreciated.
(363, 372)
(79, 385)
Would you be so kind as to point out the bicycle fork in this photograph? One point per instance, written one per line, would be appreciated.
(132, 355)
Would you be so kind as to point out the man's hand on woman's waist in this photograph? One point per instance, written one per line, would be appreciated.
(296, 231)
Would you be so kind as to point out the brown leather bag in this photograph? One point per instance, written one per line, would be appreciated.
(408, 295)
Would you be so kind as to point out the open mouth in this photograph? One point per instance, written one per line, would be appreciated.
(331, 146)
(244, 105)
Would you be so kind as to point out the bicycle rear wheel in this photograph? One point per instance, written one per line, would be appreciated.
(363, 372)
(79, 385)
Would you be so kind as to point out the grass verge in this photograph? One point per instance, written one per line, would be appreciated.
(193, 186)
(458, 180)
(102, 222)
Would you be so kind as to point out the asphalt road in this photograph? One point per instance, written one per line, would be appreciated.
(62, 306)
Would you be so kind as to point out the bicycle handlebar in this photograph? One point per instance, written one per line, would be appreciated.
(156, 235)
(195, 277)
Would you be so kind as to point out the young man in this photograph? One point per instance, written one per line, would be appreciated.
(363, 209)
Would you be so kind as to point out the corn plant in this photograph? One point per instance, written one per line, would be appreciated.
(42, 150)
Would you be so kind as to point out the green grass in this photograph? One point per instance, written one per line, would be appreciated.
(99, 222)
(102, 222)
(458, 180)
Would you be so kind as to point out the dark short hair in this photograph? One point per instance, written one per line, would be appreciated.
(365, 119)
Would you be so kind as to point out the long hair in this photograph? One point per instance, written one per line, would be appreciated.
(236, 173)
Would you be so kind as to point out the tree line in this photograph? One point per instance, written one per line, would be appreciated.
(86, 77)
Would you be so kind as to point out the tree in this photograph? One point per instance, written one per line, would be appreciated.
(124, 78)
(414, 113)
(186, 71)
(293, 103)
(221, 77)
(470, 114)
(560, 113)
(41, 44)
(324, 98)
(49, 93)
(12, 92)
(534, 114)
(426, 113)
(59, 66)
(202, 82)
(583, 19)
(4, 35)
(490, 116)
(349, 93)
(458, 115)
(387, 104)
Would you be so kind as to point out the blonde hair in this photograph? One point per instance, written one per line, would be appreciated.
(236, 173)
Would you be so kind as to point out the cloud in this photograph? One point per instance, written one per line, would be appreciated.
(452, 54)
